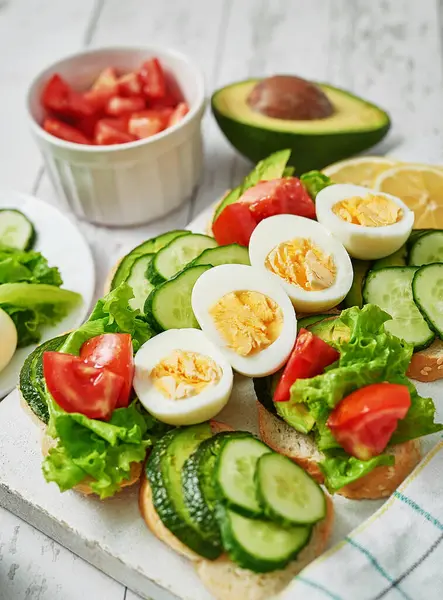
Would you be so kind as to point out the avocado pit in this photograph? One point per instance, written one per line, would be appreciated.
(290, 98)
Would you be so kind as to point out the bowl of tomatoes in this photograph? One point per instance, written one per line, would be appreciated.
(120, 132)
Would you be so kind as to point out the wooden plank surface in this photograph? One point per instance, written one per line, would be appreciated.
(390, 52)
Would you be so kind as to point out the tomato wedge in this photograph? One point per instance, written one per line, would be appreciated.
(113, 351)
(310, 357)
(79, 387)
(112, 131)
(178, 114)
(59, 97)
(234, 225)
(64, 131)
(364, 421)
(278, 197)
(153, 79)
(103, 88)
(130, 85)
(145, 123)
(116, 106)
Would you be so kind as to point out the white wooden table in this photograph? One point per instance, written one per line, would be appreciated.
(387, 50)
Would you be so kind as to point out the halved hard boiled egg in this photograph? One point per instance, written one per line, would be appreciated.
(181, 377)
(248, 315)
(369, 224)
(311, 264)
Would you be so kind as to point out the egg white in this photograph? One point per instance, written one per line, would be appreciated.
(366, 243)
(187, 411)
(212, 285)
(8, 339)
(271, 232)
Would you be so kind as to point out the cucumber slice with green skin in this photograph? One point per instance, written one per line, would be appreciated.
(149, 247)
(168, 306)
(16, 230)
(163, 469)
(416, 234)
(288, 494)
(354, 296)
(137, 279)
(260, 546)
(427, 249)
(31, 380)
(198, 486)
(177, 255)
(305, 322)
(397, 259)
(232, 254)
(235, 472)
(427, 288)
(391, 289)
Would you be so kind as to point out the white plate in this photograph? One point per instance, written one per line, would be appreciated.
(59, 240)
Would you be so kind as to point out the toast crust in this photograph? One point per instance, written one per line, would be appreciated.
(427, 365)
(222, 577)
(380, 483)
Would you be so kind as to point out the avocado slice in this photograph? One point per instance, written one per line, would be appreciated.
(354, 126)
(355, 294)
(331, 330)
(296, 415)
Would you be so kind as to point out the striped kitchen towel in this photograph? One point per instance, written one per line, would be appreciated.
(397, 554)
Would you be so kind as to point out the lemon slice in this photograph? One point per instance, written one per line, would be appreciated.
(360, 171)
(420, 187)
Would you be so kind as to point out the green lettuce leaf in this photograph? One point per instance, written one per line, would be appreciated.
(341, 470)
(101, 450)
(19, 266)
(111, 314)
(314, 182)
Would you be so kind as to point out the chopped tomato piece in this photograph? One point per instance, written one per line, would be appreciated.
(130, 85)
(103, 88)
(178, 114)
(234, 225)
(364, 421)
(64, 131)
(87, 125)
(277, 197)
(59, 97)
(113, 351)
(148, 122)
(79, 387)
(107, 79)
(112, 131)
(153, 79)
(310, 357)
(117, 106)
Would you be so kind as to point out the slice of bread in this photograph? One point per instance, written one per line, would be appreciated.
(379, 483)
(222, 577)
(48, 442)
(427, 365)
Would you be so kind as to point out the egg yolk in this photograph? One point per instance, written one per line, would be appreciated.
(302, 263)
(248, 321)
(183, 374)
(370, 211)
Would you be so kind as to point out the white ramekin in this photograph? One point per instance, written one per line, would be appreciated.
(126, 184)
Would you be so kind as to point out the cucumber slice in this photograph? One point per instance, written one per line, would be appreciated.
(261, 546)
(198, 486)
(223, 255)
(149, 247)
(31, 380)
(177, 255)
(427, 249)
(163, 469)
(391, 289)
(416, 234)
(287, 493)
(137, 279)
(427, 287)
(235, 472)
(16, 230)
(397, 259)
(168, 306)
(354, 296)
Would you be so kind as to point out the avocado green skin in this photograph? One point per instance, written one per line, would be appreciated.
(309, 150)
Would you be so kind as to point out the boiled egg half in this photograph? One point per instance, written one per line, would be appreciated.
(8, 339)
(181, 377)
(310, 264)
(248, 315)
(369, 224)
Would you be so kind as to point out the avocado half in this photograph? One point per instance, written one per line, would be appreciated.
(355, 125)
